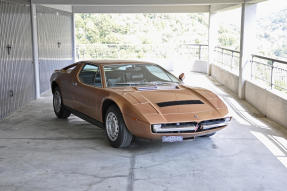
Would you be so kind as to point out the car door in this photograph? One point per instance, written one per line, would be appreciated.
(66, 85)
(88, 90)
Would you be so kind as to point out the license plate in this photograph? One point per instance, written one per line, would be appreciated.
(172, 139)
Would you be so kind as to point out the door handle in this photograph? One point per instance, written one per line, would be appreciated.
(74, 83)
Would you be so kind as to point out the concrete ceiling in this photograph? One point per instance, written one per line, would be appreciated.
(142, 9)
(143, 6)
(142, 2)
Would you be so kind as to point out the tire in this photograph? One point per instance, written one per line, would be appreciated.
(208, 135)
(116, 130)
(59, 108)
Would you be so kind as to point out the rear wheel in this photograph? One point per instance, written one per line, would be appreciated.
(116, 130)
(59, 109)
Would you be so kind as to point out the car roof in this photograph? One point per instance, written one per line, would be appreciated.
(107, 62)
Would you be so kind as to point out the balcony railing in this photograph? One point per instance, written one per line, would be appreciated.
(269, 72)
(142, 51)
(198, 51)
(228, 59)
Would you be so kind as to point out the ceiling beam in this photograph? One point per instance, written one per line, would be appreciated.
(222, 7)
(145, 6)
(138, 2)
(141, 9)
(67, 8)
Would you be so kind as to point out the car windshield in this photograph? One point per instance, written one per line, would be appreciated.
(137, 75)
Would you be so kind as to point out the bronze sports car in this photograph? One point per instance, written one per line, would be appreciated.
(132, 98)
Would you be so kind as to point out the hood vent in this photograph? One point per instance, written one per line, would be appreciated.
(183, 102)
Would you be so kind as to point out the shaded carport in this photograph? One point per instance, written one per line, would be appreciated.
(241, 83)
(39, 152)
(52, 45)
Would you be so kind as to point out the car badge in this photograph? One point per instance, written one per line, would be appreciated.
(195, 116)
(196, 127)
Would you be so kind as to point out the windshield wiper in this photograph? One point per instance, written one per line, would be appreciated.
(161, 82)
(129, 84)
(153, 83)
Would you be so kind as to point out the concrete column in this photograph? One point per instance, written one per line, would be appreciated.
(73, 38)
(212, 39)
(247, 44)
(35, 50)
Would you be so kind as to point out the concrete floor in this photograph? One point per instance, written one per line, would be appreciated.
(40, 152)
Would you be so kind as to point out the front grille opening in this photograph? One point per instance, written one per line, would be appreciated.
(177, 127)
(190, 131)
(172, 127)
(212, 122)
(185, 124)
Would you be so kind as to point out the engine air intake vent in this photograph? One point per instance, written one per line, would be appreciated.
(183, 102)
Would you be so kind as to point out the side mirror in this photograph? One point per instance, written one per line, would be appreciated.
(181, 77)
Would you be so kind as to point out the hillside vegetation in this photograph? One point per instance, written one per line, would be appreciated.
(272, 35)
(162, 35)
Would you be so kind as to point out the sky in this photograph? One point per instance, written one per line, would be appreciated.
(271, 6)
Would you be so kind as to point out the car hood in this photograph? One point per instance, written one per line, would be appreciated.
(167, 104)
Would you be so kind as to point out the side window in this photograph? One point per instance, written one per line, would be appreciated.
(90, 75)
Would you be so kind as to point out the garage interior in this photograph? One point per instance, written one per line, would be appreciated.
(40, 152)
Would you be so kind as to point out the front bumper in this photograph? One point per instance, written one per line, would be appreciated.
(190, 127)
(186, 129)
(186, 135)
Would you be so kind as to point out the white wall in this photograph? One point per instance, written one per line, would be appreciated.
(180, 65)
(273, 106)
(229, 79)
(199, 66)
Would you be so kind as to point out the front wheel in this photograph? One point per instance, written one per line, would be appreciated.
(59, 109)
(116, 130)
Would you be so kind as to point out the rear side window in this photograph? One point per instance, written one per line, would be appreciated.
(91, 75)
(70, 68)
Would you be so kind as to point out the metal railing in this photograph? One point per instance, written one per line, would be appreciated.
(271, 72)
(142, 51)
(228, 59)
(199, 51)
